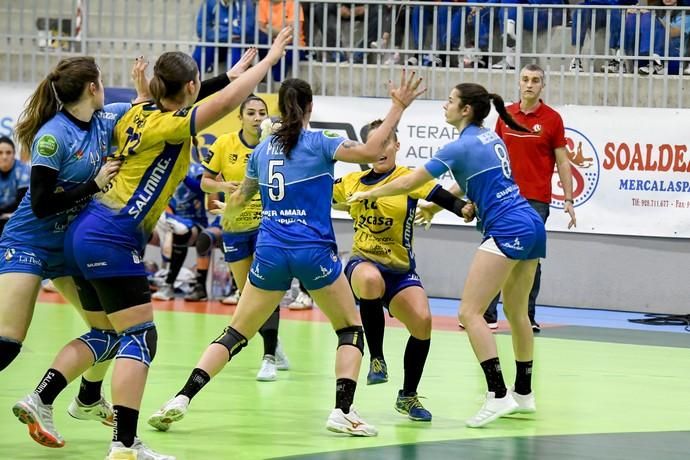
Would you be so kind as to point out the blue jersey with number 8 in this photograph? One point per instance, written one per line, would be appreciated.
(296, 192)
(479, 163)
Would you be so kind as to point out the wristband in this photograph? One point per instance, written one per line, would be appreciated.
(569, 200)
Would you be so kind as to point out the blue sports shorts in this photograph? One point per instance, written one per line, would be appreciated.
(519, 234)
(394, 281)
(238, 246)
(274, 267)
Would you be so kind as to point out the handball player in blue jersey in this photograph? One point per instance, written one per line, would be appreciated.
(513, 241)
(107, 239)
(293, 171)
(67, 129)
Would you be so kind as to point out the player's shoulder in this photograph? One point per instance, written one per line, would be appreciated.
(55, 133)
(352, 178)
(225, 139)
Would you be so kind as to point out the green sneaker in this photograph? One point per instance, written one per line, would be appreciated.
(410, 406)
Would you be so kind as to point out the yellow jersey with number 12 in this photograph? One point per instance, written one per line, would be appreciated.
(383, 228)
(228, 156)
(155, 148)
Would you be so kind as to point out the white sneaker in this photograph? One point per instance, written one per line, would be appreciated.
(172, 411)
(282, 362)
(165, 292)
(507, 62)
(38, 417)
(232, 299)
(302, 302)
(267, 373)
(576, 65)
(350, 423)
(526, 403)
(138, 451)
(100, 411)
(492, 409)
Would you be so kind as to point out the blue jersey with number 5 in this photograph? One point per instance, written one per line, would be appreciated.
(478, 161)
(296, 193)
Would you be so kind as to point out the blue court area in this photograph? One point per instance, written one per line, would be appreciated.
(568, 316)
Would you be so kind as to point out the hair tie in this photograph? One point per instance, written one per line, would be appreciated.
(55, 93)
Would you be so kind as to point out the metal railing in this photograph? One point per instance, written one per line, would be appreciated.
(356, 56)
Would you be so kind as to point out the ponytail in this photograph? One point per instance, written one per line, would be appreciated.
(500, 107)
(64, 85)
(293, 98)
(480, 99)
(172, 71)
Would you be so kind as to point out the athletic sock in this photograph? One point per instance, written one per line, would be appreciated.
(269, 332)
(125, 421)
(52, 383)
(494, 377)
(344, 394)
(195, 383)
(89, 392)
(373, 322)
(201, 276)
(416, 353)
(523, 377)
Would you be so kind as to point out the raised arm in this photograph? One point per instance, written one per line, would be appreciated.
(400, 186)
(230, 97)
(354, 152)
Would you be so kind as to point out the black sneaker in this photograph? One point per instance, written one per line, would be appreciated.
(536, 328)
(198, 294)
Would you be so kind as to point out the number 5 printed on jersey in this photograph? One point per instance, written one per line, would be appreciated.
(276, 181)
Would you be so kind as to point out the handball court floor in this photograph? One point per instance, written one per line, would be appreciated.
(606, 389)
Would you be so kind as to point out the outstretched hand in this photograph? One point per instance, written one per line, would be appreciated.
(280, 42)
(141, 83)
(243, 64)
(408, 90)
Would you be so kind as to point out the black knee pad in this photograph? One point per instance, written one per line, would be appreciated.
(204, 243)
(232, 340)
(9, 349)
(353, 336)
(181, 240)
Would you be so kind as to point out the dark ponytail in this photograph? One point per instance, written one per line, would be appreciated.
(63, 86)
(293, 98)
(172, 71)
(505, 116)
(477, 97)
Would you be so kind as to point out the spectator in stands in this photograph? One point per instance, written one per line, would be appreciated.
(653, 25)
(327, 23)
(477, 32)
(272, 16)
(447, 38)
(213, 25)
(533, 19)
(14, 180)
(582, 20)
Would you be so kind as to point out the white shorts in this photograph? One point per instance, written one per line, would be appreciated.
(489, 245)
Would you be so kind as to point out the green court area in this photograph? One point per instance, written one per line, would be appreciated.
(596, 399)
